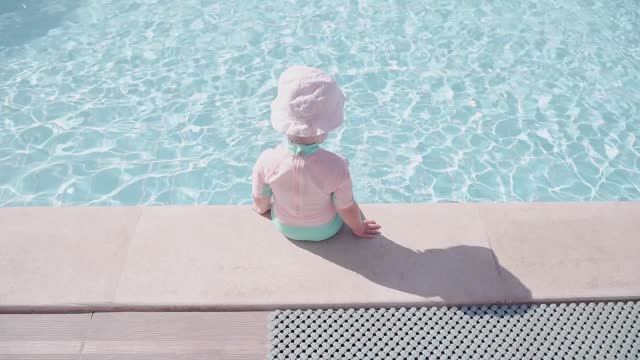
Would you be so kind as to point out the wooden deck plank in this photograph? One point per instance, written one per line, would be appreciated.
(210, 335)
(39, 357)
(46, 335)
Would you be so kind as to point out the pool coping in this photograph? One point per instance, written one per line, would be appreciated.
(226, 258)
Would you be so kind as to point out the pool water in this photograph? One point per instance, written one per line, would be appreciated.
(121, 102)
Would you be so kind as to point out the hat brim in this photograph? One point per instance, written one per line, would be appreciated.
(284, 121)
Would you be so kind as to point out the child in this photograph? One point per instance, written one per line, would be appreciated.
(311, 187)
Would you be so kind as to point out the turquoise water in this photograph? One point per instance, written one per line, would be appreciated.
(121, 102)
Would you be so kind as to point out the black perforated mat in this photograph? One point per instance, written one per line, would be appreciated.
(544, 331)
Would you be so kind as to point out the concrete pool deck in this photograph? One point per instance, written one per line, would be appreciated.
(89, 259)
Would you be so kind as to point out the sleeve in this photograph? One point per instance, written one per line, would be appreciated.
(343, 195)
(258, 186)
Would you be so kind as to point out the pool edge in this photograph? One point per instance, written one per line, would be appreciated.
(225, 258)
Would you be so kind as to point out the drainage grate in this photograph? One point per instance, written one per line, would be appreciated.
(538, 331)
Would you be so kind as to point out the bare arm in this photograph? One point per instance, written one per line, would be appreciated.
(360, 227)
(261, 191)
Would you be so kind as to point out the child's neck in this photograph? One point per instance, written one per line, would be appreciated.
(303, 141)
(302, 149)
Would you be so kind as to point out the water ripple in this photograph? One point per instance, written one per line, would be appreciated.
(154, 102)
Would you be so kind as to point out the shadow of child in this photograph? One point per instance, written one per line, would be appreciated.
(454, 274)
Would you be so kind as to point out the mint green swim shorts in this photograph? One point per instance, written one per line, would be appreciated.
(315, 233)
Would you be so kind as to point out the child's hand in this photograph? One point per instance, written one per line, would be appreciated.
(261, 205)
(259, 211)
(368, 229)
(360, 227)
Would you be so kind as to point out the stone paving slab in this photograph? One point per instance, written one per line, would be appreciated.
(228, 258)
(68, 258)
(567, 251)
(234, 259)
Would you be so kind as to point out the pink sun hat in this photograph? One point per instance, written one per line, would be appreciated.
(309, 103)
